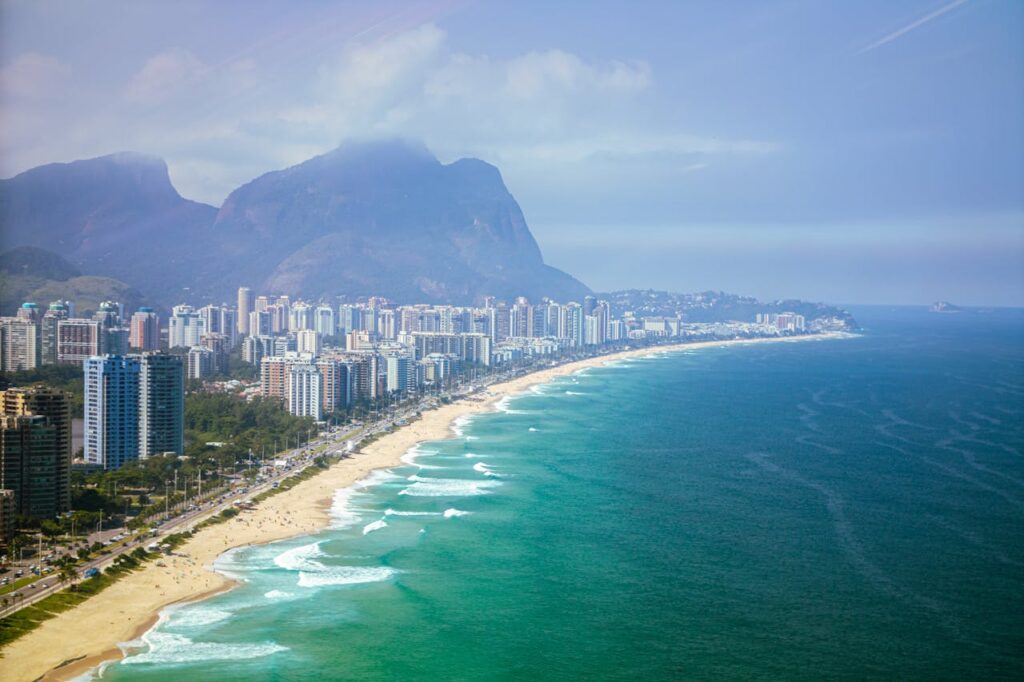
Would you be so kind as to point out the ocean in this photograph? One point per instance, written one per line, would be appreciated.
(831, 509)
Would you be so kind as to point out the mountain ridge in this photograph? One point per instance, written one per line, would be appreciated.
(369, 218)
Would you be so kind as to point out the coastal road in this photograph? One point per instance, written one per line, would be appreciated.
(296, 458)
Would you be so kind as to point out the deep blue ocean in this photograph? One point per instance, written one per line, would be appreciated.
(830, 509)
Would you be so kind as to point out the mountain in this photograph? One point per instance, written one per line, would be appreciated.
(375, 218)
(386, 218)
(117, 216)
(28, 273)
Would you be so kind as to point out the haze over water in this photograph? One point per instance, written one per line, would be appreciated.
(839, 509)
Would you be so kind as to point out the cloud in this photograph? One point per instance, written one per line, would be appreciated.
(913, 25)
(218, 124)
(163, 75)
(34, 76)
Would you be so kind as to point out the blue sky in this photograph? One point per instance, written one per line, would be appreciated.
(844, 151)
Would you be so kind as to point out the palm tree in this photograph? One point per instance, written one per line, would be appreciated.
(67, 573)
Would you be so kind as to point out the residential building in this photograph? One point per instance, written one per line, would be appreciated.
(185, 327)
(308, 341)
(245, 306)
(30, 456)
(19, 344)
(304, 387)
(78, 340)
(55, 406)
(8, 512)
(144, 330)
(201, 363)
(112, 410)
(161, 404)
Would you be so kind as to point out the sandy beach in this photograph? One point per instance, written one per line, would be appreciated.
(78, 640)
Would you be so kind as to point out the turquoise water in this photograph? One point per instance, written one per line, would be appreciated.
(826, 509)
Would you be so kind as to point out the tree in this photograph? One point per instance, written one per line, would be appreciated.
(50, 529)
(67, 572)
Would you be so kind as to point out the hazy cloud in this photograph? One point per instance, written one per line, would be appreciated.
(33, 76)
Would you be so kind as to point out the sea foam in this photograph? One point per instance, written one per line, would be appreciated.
(448, 487)
(300, 558)
(376, 525)
(346, 575)
(167, 648)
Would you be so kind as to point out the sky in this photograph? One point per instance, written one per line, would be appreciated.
(850, 152)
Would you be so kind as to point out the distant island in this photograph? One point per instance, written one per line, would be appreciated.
(945, 307)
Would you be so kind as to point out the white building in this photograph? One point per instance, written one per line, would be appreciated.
(304, 387)
(308, 341)
(185, 327)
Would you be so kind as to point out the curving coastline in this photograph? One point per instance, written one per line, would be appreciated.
(89, 634)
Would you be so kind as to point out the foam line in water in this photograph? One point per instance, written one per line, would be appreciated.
(375, 525)
(392, 512)
(411, 457)
(503, 405)
(277, 594)
(167, 648)
(228, 564)
(453, 512)
(448, 487)
(484, 469)
(346, 575)
(300, 558)
(196, 616)
(460, 424)
(532, 430)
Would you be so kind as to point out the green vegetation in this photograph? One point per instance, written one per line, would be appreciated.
(67, 378)
(29, 618)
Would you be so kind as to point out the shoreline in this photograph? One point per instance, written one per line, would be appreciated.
(87, 636)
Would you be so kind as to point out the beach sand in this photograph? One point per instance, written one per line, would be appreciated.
(84, 637)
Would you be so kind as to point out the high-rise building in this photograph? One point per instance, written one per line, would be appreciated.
(161, 404)
(301, 316)
(335, 384)
(260, 323)
(109, 314)
(55, 407)
(398, 368)
(116, 340)
(185, 327)
(78, 340)
(8, 512)
(220, 346)
(111, 410)
(571, 324)
(324, 320)
(245, 306)
(200, 363)
(307, 341)
(255, 348)
(19, 344)
(57, 311)
(519, 318)
(144, 330)
(350, 319)
(29, 459)
(305, 390)
(29, 312)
